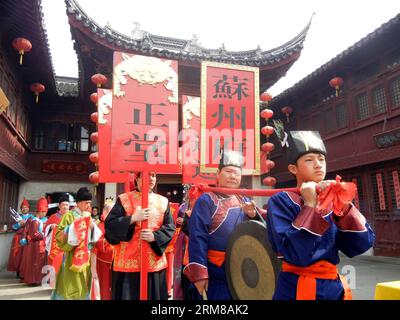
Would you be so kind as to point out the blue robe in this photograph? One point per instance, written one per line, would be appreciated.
(303, 246)
(213, 219)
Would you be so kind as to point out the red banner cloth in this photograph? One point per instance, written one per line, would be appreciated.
(80, 259)
(338, 194)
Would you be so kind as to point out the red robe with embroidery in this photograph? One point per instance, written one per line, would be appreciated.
(125, 238)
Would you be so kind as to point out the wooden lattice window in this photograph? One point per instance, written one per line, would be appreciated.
(362, 106)
(395, 92)
(330, 124)
(359, 201)
(379, 99)
(341, 115)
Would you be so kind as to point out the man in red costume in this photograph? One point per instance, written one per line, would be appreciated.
(34, 256)
(14, 259)
(123, 230)
(55, 254)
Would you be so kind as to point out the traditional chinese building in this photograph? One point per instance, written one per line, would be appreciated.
(95, 46)
(360, 126)
(45, 145)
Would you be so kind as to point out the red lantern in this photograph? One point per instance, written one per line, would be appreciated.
(270, 164)
(94, 177)
(99, 79)
(22, 45)
(265, 97)
(267, 114)
(267, 147)
(94, 137)
(269, 181)
(94, 117)
(94, 98)
(267, 130)
(94, 157)
(37, 88)
(287, 111)
(336, 83)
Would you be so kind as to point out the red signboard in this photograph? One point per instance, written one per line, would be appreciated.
(144, 135)
(55, 166)
(229, 115)
(191, 143)
(104, 111)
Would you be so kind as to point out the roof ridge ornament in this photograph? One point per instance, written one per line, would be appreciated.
(137, 33)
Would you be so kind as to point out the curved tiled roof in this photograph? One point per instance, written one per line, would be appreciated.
(67, 86)
(26, 20)
(180, 49)
(357, 47)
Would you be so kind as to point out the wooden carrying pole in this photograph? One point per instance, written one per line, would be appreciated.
(144, 246)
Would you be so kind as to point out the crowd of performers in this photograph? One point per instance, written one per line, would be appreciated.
(101, 259)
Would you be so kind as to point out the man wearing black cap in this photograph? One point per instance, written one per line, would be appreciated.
(213, 219)
(124, 231)
(54, 253)
(306, 238)
(74, 279)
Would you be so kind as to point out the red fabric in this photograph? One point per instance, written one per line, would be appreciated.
(55, 256)
(170, 270)
(81, 257)
(307, 283)
(104, 255)
(14, 258)
(42, 205)
(338, 194)
(216, 257)
(34, 257)
(24, 203)
(311, 220)
(195, 192)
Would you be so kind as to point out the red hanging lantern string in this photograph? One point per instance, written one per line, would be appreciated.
(267, 130)
(22, 45)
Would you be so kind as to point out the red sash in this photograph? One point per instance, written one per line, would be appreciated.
(80, 259)
(307, 283)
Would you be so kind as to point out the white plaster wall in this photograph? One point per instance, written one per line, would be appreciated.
(110, 191)
(5, 243)
(32, 190)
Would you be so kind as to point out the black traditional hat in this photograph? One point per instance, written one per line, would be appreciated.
(83, 194)
(231, 158)
(303, 142)
(63, 198)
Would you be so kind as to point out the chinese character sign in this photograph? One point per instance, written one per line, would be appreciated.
(191, 143)
(144, 133)
(104, 111)
(229, 115)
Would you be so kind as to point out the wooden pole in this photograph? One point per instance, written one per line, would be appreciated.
(144, 246)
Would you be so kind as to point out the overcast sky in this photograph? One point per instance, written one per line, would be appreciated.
(239, 25)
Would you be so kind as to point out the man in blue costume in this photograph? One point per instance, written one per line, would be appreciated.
(213, 219)
(307, 239)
